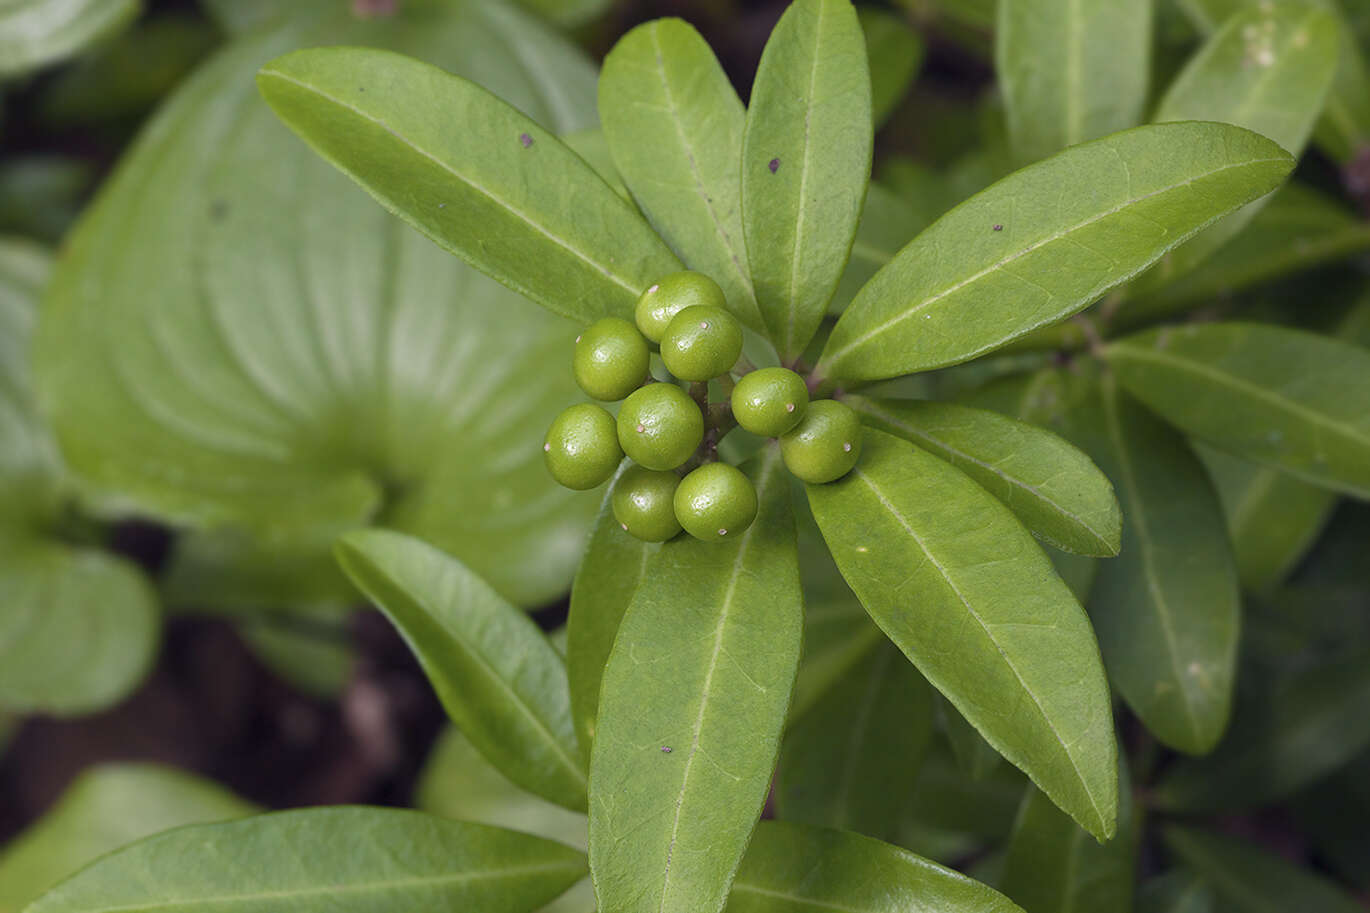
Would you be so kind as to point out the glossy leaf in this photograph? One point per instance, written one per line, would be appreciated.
(1054, 866)
(849, 763)
(961, 288)
(896, 53)
(806, 160)
(497, 675)
(106, 808)
(377, 859)
(1311, 725)
(964, 591)
(1287, 398)
(440, 152)
(1248, 880)
(1050, 485)
(277, 352)
(675, 127)
(1071, 70)
(34, 33)
(1178, 891)
(691, 711)
(791, 868)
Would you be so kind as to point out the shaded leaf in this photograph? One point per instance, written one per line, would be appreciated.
(34, 33)
(497, 675)
(1178, 891)
(888, 222)
(838, 637)
(961, 813)
(974, 755)
(961, 288)
(691, 712)
(964, 591)
(896, 53)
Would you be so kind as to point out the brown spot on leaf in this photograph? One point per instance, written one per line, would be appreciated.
(774, 165)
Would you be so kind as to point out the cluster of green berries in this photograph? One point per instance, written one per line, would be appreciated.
(663, 429)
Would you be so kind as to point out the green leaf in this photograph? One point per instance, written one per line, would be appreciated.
(41, 196)
(474, 174)
(1178, 891)
(1286, 398)
(309, 647)
(806, 160)
(838, 636)
(675, 127)
(1055, 253)
(1248, 880)
(614, 564)
(1055, 866)
(1273, 519)
(974, 755)
(954, 809)
(376, 859)
(568, 12)
(106, 808)
(791, 868)
(1167, 610)
(277, 352)
(1332, 814)
(896, 53)
(1268, 70)
(954, 580)
(1050, 485)
(691, 711)
(888, 222)
(35, 33)
(1071, 70)
(849, 762)
(497, 675)
(1310, 726)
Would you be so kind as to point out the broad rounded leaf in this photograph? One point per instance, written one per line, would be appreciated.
(675, 128)
(474, 174)
(791, 868)
(961, 587)
(276, 351)
(1068, 229)
(1287, 398)
(34, 33)
(329, 859)
(806, 160)
(1071, 70)
(691, 712)
(1049, 484)
(106, 808)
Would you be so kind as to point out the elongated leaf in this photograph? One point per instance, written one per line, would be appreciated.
(838, 638)
(974, 755)
(896, 54)
(106, 808)
(472, 173)
(954, 810)
(1071, 70)
(691, 711)
(850, 761)
(613, 566)
(962, 288)
(888, 222)
(376, 859)
(1167, 610)
(1278, 396)
(497, 675)
(791, 868)
(34, 33)
(1312, 725)
(278, 352)
(806, 160)
(675, 127)
(1175, 892)
(964, 591)
(1248, 880)
(1049, 484)
(1054, 866)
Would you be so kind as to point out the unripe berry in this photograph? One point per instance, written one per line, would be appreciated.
(770, 401)
(715, 502)
(701, 343)
(581, 448)
(826, 443)
(644, 503)
(611, 359)
(671, 295)
(659, 426)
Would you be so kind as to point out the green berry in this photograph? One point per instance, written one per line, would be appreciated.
(581, 448)
(716, 501)
(611, 359)
(826, 443)
(671, 295)
(659, 426)
(701, 343)
(644, 503)
(770, 401)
